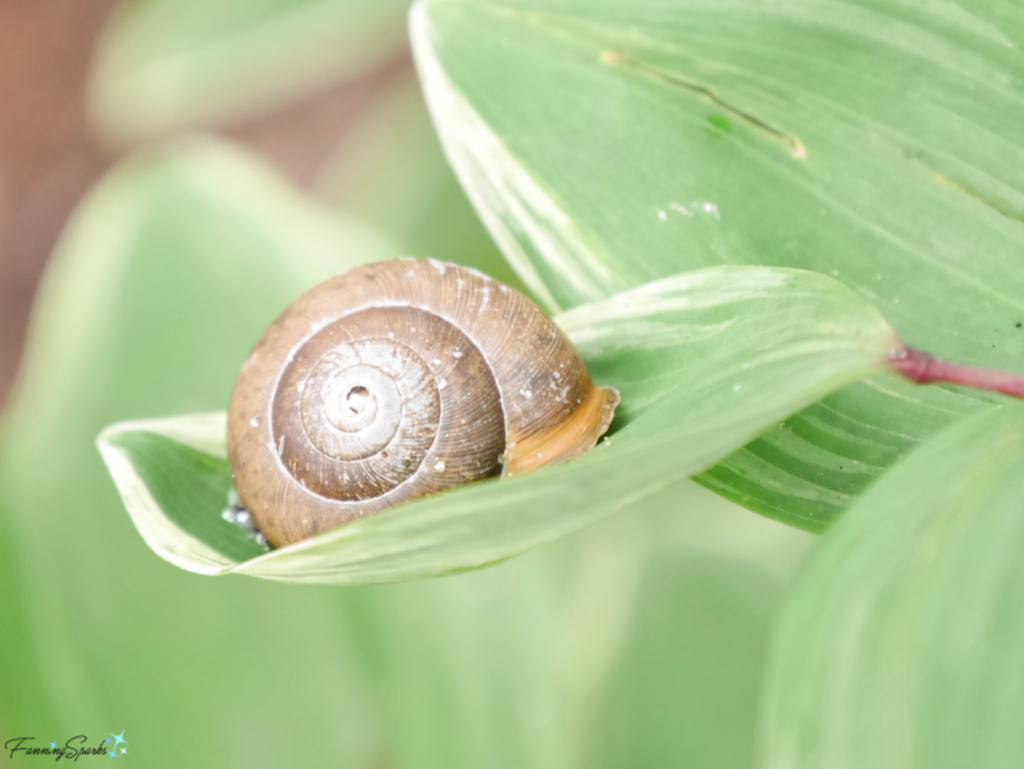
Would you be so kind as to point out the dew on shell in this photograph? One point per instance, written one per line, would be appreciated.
(237, 515)
(255, 421)
(440, 466)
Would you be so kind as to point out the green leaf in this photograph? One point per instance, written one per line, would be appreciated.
(704, 361)
(169, 64)
(162, 454)
(607, 144)
(901, 644)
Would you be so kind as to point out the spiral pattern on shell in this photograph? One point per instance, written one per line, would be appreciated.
(396, 380)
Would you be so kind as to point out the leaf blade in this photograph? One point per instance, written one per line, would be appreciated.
(605, 146)
(899, 644)
(757, 343)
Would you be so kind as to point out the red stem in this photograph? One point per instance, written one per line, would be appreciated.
(918, 366)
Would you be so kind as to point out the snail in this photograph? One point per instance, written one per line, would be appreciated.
(396, 380)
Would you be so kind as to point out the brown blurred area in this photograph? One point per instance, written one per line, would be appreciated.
(49, 158)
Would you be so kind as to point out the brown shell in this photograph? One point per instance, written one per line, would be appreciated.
(401, 379)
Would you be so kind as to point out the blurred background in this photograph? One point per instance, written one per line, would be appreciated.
(53, 148)
(172, 174)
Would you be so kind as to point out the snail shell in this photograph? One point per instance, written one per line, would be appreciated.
(401, 379)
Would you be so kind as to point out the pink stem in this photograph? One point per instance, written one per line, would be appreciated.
(920, 367)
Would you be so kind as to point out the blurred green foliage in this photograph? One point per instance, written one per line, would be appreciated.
(641, 640)
(908, 619)
(173, 64)
(390, 173)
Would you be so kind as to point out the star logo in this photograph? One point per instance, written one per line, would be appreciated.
(53, 745)
(112, 754)
(124, 752)
(119, 737)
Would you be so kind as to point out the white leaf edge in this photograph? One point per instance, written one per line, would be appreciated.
(514, 207)
(203, 432)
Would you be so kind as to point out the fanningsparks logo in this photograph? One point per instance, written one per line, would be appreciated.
(114, 746)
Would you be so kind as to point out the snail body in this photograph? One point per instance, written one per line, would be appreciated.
(396, 380)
